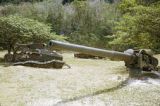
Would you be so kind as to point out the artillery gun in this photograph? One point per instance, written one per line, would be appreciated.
(35, 55)
(136, 61)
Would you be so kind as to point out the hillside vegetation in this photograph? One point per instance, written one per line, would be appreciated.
(111, 24)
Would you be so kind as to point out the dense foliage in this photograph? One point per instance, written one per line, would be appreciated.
(18, 1)
(111, 24)
(139, 25)
(86, 23)
(83, 22)
(16, 29)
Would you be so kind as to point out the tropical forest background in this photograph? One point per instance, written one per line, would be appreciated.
(109, 24)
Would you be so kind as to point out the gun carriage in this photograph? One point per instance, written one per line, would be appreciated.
(136, 61)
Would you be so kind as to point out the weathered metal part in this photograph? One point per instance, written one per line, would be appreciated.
(44, 56)
(49, 64)
(35, 52)
(86, 56)
(31, 46)
(136, 61)
(57, 45)
(35, 55)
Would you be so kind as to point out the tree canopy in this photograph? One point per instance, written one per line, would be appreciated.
(17, 29)
(139, 25)
(19, 1)
(111, 24)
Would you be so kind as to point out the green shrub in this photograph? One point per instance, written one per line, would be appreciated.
(17, 29)
(83, 22)
(19, 1)
(139, 26)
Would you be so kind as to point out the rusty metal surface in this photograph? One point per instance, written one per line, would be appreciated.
(35, 55)
(114, 55)
(139, 60)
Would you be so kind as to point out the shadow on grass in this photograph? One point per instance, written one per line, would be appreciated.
(2, 60)
(154, 75)
(3, 63)
(123, 84)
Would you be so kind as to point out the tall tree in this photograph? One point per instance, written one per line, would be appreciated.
(16, 29)
(139, 26)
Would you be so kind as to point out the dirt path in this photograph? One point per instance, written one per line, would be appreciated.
(87, 83)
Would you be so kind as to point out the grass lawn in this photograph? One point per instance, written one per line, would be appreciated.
(89, 82)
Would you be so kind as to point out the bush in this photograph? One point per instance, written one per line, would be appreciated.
(19, 1)
(17, 29)
(139, 26)
(83, 22)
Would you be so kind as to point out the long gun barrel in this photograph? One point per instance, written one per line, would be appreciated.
(114, 55)
(136, 61)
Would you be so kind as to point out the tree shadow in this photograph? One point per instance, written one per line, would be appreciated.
(1, 60)
(153, 75)
(121, 85)
(3, 63)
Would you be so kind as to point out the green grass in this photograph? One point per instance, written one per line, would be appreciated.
(88, 82)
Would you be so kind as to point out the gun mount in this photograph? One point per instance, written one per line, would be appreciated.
(136, 61)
